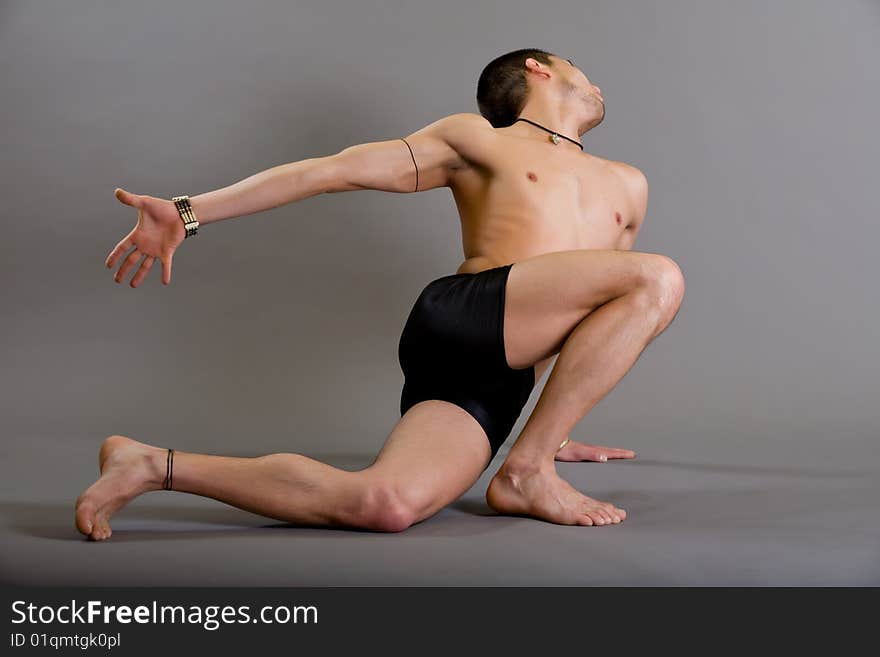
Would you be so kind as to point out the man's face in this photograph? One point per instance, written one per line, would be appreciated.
(576, 82)
(576, 75)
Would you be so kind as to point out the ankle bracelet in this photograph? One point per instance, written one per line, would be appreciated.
(169, 469)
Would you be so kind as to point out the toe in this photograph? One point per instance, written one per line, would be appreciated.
(598, 514)
(611, 512)
(102, 529)
(84, 517)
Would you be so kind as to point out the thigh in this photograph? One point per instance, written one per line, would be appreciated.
(549, 294)
(434, 454)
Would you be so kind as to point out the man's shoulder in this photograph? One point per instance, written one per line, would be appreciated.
(470, 135)
(628, 171)
(632, 177)
(470, 117)
(637, 185)
(462, 130)
(466, 121)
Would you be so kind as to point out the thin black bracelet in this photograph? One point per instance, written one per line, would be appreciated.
(414, 162)
(169, 469)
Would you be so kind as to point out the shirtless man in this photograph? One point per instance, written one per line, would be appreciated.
(547, 230)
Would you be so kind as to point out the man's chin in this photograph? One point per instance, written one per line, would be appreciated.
(593, 125)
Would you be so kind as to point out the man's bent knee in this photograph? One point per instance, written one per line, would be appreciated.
(383, 509)
(663, 288)
(673, 287)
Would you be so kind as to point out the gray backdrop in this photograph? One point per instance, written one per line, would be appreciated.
(755, 123)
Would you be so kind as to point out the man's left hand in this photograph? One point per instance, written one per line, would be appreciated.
(575, 451)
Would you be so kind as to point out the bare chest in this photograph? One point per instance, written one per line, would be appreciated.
(561, 200)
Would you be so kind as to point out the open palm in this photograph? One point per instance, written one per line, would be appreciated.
(159, 231)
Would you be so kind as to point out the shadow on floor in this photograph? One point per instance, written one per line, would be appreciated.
(703, 503)
(55, 521)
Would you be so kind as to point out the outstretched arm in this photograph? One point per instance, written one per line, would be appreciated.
(434, 152)
(389, 166)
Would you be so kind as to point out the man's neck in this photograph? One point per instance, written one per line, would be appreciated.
(553, 117)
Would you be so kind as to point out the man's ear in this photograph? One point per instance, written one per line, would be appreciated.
(535, 66)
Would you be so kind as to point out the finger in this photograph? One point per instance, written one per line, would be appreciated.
(128, 198)
(142, 271)
(127, 264)
(594, 453)
(118, 250)
(619, 450)
(166, 269)
(615, 452)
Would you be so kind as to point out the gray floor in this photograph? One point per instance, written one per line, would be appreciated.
(744, 509)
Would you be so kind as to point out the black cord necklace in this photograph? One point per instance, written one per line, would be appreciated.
(554, 136)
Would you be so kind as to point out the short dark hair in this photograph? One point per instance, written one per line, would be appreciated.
(502, 88)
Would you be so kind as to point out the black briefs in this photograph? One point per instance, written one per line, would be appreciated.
(452, 349)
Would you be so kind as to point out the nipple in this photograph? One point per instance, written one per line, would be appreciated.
(532, 176)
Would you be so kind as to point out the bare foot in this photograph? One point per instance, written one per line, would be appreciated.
(576, 451)
(543, 494)
(128, 469)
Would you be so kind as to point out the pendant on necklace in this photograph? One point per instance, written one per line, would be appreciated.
(554, 138)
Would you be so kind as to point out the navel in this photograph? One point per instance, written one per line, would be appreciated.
(617, 217)
(532, 175)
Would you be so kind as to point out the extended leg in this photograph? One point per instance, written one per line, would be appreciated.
(288, 487)
(434, 453)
